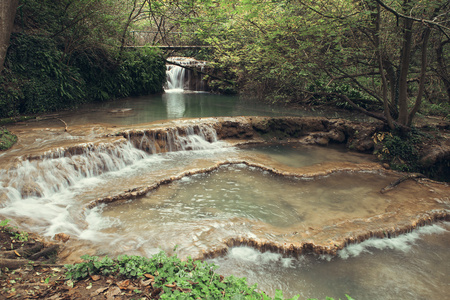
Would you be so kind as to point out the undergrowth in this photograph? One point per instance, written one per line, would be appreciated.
(36, 79)
(192, 279)
(7, 139)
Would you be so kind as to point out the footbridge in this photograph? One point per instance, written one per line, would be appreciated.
(165, 40)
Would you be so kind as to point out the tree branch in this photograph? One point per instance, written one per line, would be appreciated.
(399, 15)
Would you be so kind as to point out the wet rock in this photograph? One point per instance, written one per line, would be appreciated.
(62, 237)
(337, 136)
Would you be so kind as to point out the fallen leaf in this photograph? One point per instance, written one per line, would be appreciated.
(146, 282)
(17, 253)
(55, 297)
(69, 283)
(99, 291)
(95, 277)
(149, 276)
(112, 292)
(171, 285)
(123, 285)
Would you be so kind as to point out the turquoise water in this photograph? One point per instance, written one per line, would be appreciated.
(129, 111)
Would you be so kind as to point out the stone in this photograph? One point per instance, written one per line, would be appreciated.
(62, 237)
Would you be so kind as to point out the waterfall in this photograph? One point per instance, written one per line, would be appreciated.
(54, 171)
(44, 192)
(175, 78)
(180, 79)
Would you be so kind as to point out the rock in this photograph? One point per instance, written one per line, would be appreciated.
(61, 237)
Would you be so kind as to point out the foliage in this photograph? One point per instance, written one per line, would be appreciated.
(7, 140)
(133, 73)
(37, 80)
(21, 236)
(52, 64)
(386, 54)
(399, 150)
(437, 109)
(195, 279)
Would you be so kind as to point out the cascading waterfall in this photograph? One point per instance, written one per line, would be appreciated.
(175, 78)
(176, 139)
(179, 78)
(43, 190)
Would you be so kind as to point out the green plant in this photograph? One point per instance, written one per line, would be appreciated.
(400, 151)
(21, 236)
(196, 279)
(4, 222)
(7, 139)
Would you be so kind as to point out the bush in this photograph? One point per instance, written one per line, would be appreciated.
(37, 80)
(400, 151)
(196, 279)
(7, 139)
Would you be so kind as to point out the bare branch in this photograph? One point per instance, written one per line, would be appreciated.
(399, 15)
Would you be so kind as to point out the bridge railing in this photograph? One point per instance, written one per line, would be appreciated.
(167, 39)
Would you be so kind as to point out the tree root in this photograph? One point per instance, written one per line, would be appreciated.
(12, 260)
(392, 185)
(22, 252)
(13, 264)
(44, 252)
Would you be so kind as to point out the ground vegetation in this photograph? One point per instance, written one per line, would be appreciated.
(29, 270)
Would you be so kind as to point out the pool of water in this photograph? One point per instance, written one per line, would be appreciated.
(412, 266)
(299, 155)
(152, 108)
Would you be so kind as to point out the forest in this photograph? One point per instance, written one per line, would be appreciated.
(388, 59)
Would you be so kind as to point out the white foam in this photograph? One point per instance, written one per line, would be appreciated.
(251, 255)
(402, 242)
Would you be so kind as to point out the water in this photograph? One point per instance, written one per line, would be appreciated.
(175, 105)
(412, 266)
(298, 155)
(50, 193)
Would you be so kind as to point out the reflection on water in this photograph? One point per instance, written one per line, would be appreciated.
(412, 266)
(175, 105)
(152, 108)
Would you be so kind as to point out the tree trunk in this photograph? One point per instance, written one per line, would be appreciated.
(405, 60)
(7, 14)
(387, 111)
(442, 67)
(423, 70)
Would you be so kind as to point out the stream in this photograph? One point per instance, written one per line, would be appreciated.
(210, 193)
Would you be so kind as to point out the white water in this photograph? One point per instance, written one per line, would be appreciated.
(46, 195)
(411, 266)
(175, 79)
(178, 79)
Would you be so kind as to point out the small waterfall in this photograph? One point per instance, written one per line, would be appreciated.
(59, 169)
(42, 192)
(197, 137)
(175, 78)
(180, 79)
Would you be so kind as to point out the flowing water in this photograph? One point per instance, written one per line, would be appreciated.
(411, 266)
(51, 181)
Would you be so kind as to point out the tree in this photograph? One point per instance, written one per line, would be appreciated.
(351, 51)
(7, 14)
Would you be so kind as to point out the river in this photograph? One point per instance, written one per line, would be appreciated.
(47, 189)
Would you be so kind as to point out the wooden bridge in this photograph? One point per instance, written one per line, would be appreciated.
(166, 41)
